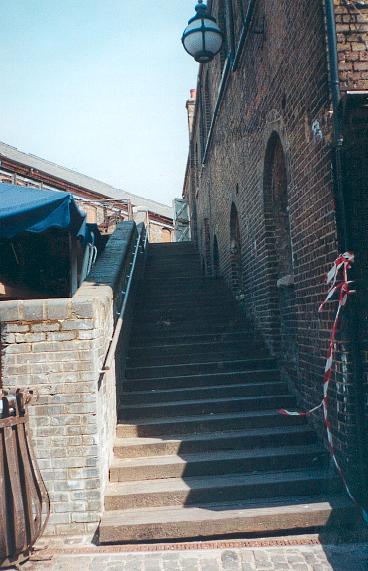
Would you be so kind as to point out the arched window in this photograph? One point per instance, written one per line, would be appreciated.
(281, 293)
(235, 251)
(216, 258)
(207, 246)
(276, 205)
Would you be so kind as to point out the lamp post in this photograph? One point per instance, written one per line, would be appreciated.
(202, 38)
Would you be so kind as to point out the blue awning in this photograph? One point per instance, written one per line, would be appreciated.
(27, 209)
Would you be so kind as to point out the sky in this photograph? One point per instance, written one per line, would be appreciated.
(99, 86)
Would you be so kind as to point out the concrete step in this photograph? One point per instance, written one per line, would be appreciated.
(174, 285)
(193, 347)
(205, 406)
(262, 517)
(200, 393)
(185, 312)
(217, 463)
(173, 264)
(228, 488)
(166, 276)
(144, 360)
(207, 442)
(159, 371)
(178, 265)
(213, 379)
(170, 247)
(215, 326)
(196, 424)
(181, 299)
(184, 320)
(192, 350)
(240, 335)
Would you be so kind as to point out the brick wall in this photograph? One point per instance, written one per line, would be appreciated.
(352, 38)
(57, 347)
(279, 90)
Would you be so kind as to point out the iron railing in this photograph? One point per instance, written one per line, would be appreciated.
(136, 269)
(24, 501)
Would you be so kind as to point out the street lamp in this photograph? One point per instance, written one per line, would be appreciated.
(202, 38)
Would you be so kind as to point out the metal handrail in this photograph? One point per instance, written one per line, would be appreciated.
(119, 323)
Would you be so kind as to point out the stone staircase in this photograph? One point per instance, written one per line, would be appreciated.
(201, 450)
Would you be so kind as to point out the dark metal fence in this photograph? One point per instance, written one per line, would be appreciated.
(24, 501)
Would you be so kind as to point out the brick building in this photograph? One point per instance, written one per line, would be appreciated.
(104, 204)
(277, 185)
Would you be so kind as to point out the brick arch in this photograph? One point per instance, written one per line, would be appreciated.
(215, 258)
(275, 189)
(281, 292)
(235, 251)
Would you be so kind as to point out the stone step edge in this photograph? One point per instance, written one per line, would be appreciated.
(195, 483)
(179, 403)
(196, 375)
(130, 442)
(216, 362)
(177, 459)
(202, 417)
(224, 520)
(195, 389)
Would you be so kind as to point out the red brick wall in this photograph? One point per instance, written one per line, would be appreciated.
(352, 37)
(281, 88)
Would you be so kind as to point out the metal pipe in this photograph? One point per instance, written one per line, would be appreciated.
(337, 138)
(244, 34)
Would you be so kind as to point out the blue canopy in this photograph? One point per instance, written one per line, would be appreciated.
(27, 209)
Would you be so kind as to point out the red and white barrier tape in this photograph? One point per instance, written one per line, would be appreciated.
(341, 287)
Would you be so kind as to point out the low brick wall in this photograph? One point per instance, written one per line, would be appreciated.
(57, 347)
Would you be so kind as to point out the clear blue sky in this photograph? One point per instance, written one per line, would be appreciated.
(99, 86)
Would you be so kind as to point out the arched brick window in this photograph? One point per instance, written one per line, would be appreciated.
(235, 251)
(216, 259)
(280, 270)
(276, 206)
(207, 246)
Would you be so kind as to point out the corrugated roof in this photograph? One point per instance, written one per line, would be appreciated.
(84, 181)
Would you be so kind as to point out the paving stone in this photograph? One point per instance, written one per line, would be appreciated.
(313, 558)
(190, 564)
(230, 561)
(209, 565)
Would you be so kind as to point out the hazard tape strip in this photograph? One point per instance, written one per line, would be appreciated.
(339, 285)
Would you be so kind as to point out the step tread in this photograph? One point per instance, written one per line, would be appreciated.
(203, 417)
(147, 406)
(190, 483)
(210, 436)
(245, 509)
(203, 375)
(187, 358)
(204, 344)
(241, 334)
(216, 362)
(164, 460)
(194, 390)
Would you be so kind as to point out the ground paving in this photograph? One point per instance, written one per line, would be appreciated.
(310, 556)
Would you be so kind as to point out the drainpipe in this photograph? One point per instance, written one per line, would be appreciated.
(344, 241)
(337, 138)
